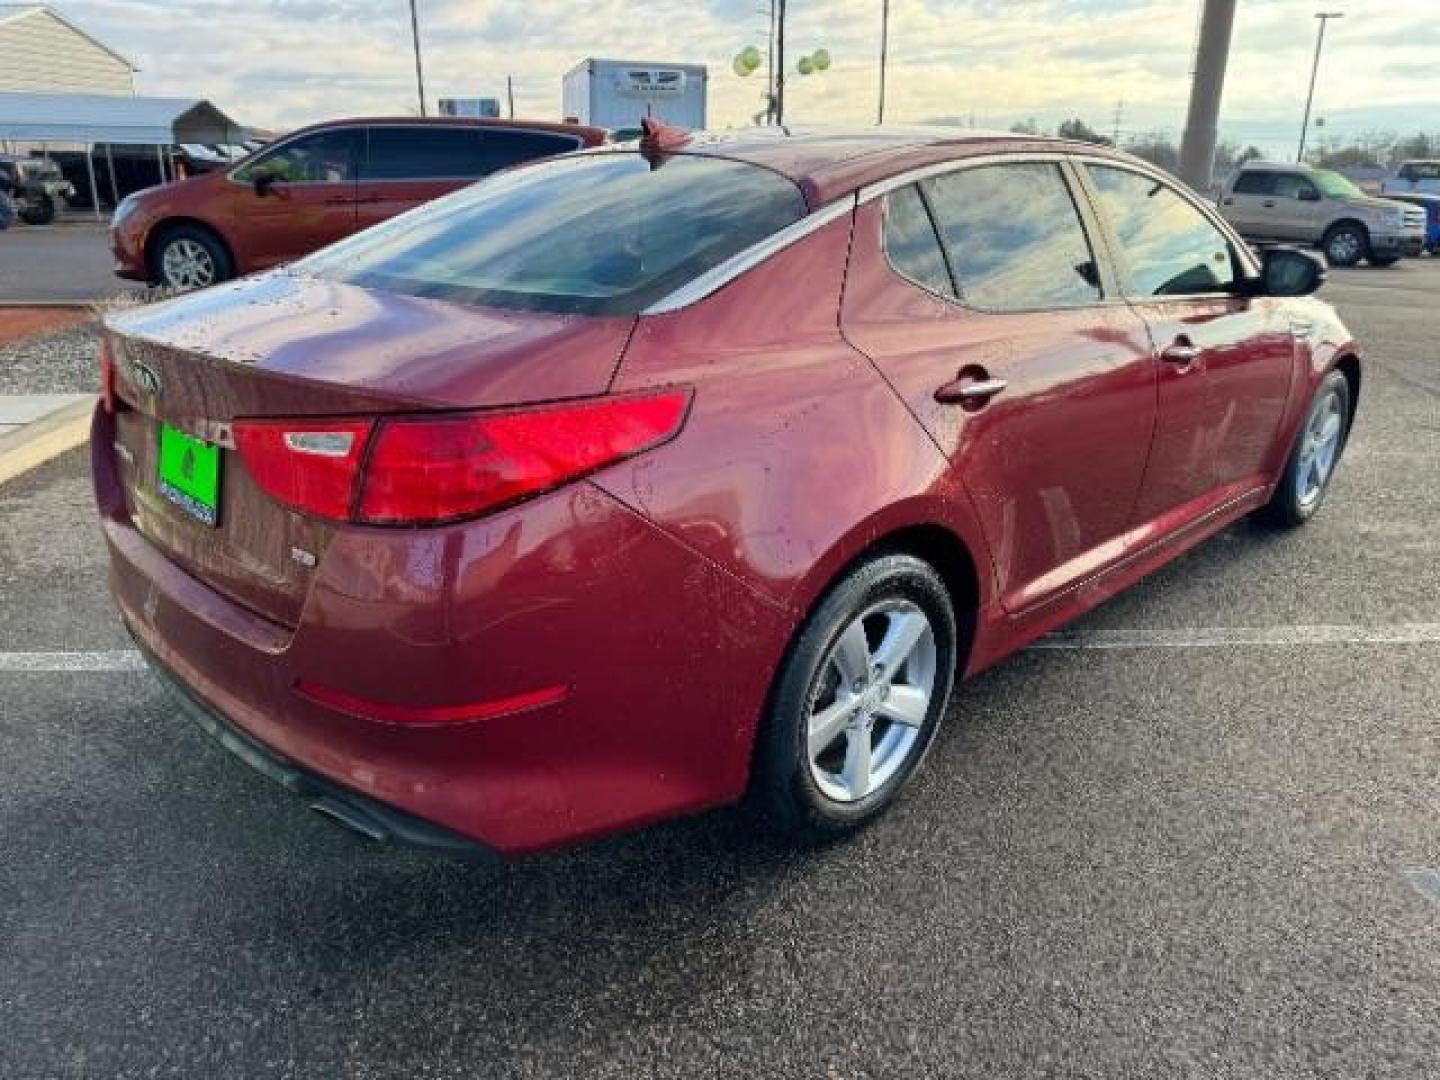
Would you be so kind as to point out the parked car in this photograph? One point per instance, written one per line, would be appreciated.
(312, 188)
(619, 485)
(1296, 203)
(1431, 205)
(1414, 178)
(39, 188)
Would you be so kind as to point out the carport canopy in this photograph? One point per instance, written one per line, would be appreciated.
(121, 121)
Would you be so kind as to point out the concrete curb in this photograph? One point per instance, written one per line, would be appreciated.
(45, 438)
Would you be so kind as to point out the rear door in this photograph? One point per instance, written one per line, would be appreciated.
(1223, 361)
(1250, 204)
(310, 203)
(409, 164)
(980, 297)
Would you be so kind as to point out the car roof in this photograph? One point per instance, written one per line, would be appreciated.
(592, 135)
(1275, 166)
(830, 162)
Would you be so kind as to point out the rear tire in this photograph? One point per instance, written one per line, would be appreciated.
(189, 257)
(1313, 456)
(39, 211)
(858, 700)
(1346, 244)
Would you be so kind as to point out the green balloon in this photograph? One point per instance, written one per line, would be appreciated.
(738, 66)
(806, 66)
(821, 59)
(750, 55)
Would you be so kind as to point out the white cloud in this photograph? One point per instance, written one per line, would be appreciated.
(285, 62)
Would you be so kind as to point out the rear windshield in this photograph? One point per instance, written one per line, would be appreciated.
(602, 234)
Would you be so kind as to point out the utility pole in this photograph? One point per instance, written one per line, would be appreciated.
(1119, 115)
(884, 49)
(419, 73)
(1324, 17)
(770, 68)
(1197, 148)
(510, 93)
(780, 63)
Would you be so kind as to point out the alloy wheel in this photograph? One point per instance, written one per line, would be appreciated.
(187, 265)
(1319, 448)
(1344, 248)
(870, 701)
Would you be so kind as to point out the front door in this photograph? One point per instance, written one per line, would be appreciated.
(979, 297)
(309, 201)
(1224, 361)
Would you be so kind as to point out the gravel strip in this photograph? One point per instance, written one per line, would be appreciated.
(59, 363)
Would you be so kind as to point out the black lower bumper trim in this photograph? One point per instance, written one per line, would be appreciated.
(361, 813)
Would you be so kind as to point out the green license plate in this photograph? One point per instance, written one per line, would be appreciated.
(190, 474)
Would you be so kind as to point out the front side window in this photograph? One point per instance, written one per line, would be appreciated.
(912, 244)
(1170, 247)
(1420, 170)
(602, 234)
(326, 157)
(1013, 237)
(1294, 186)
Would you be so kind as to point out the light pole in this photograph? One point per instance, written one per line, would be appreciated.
(1197, 146)
(1324, 17)
(884, 48)
(419, 73)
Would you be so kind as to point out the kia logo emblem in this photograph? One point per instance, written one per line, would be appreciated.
(147, 378)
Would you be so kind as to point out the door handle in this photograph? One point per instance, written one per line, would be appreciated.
(1229, 202)
(1181, 353)
(1268, 204)
(969, 391)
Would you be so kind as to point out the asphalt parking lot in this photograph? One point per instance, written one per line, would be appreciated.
(1199, 839)
(68, 262)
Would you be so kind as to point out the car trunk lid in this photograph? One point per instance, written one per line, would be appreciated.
(281, 346)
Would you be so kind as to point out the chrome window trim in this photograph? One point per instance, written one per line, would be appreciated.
(718, 276)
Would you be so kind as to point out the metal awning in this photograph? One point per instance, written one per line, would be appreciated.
(105, 118)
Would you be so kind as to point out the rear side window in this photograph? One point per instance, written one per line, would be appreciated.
(1013, 237)
(1170, 247)
(1293, 186)
(1421, 170)
(603, 233)
(1255, 183)
(912, 243)
(398, 152)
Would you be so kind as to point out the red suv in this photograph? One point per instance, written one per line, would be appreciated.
(313, 187)
(620, 484)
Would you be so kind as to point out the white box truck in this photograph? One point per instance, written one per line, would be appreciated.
(618, 94)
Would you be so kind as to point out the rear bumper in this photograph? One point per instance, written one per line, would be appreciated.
(664, 658)
(371, 818)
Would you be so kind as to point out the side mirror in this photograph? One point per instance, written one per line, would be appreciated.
(1290, 272)
(262, 180)
(1309, 195)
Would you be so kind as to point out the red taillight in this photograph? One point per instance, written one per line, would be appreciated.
(309, 465)
(428, 469)
(107, 377)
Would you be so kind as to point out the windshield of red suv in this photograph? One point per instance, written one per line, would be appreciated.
(1332, 185)
(602, 234)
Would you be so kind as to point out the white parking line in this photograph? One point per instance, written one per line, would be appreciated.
(1200, 637)
(118, 660)
(1212, 637)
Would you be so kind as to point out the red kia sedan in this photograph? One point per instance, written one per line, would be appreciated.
(313, 187)
(622, 485)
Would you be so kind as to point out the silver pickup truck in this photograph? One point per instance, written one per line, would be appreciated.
(1300, 204)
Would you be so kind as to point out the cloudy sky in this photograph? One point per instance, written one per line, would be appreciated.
(285, 62)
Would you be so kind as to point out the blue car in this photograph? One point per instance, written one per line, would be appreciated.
(1431, 203)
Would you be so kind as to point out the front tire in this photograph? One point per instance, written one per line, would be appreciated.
(189, 257)
(858, 700)
(1313, 456)
(1346, 245)
(39, 211)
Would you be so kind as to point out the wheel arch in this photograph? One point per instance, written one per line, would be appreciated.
(1339, 223)
(164, 227)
